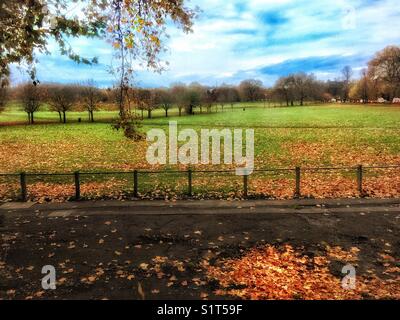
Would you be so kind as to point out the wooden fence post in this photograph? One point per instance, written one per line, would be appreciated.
(77, 186)
(360, 179)
(24, 193)
(190, 182)
(135, 184)
(297, 193)
(245, 185)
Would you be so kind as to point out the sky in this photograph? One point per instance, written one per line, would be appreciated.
(233, 40)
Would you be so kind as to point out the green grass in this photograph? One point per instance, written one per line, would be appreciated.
(307, 136)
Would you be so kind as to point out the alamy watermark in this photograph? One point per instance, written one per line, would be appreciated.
(349, 280)
(49, 280)
(203, 149)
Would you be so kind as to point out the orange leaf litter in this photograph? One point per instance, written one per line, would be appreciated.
(270, 273)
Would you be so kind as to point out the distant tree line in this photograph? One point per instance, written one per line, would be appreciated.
(380, 82)
(62, 98)
(59, 98)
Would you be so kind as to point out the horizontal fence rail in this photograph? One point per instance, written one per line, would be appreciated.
(189, 176)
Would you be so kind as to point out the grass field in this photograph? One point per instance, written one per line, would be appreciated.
(326, 135)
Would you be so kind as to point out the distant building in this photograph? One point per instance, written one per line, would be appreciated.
(396, 100)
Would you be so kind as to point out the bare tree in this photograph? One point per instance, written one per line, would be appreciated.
(306, 87)
(31, 99)
(347, 73)
(144, 101)
(284, 90)
(208, 98)
(163, 99)
(62, 99)
(335, 88)
(149, 101)
(232, 96)
(251, 90)
(91, 97)
(222, 95)
(301, 83)
(178, 94)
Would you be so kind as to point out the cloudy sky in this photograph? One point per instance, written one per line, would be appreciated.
(263, 39)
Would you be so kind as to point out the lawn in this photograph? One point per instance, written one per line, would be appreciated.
(311, 136)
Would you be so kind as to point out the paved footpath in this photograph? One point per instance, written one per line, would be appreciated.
(205, 207)
(99, 248)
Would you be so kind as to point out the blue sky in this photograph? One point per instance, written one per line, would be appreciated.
(262, 39)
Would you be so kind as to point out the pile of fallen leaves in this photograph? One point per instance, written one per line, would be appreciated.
(327, 186)
(271, 273)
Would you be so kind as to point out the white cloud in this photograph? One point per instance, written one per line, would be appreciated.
(231, 37)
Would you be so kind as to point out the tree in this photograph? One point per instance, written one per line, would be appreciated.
(232, 96)
(31, 99)
(145, 101)
(222, 95)
(62, 99)
(3, 92)
(163, 99)
(191, 99)
(136, 29)
(178, 92)
(208, 97)
(361, 89)
(284, 90)
(327, 97)
(298, 87)
(385, 67)
(27, 26)
(91, 97)
(251, 90)
(335, 88)
(347, 74)
(302, 84)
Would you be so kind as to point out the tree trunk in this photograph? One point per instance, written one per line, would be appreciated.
(59, 115)
(32, 121)
(180, 111)
(149, 114)
(166, 113)
(64, 117)
(91, 115)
